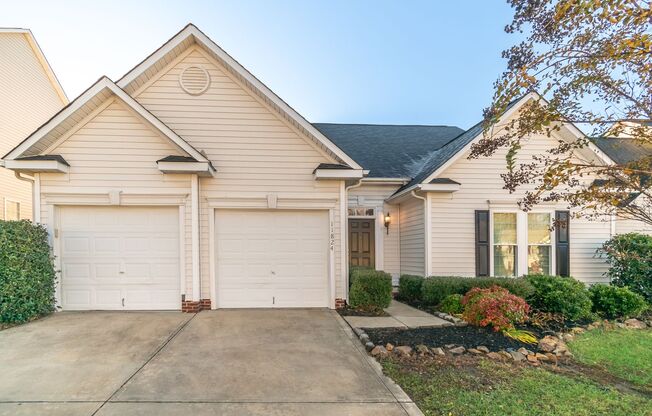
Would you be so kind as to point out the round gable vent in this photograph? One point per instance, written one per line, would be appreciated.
(194, 80)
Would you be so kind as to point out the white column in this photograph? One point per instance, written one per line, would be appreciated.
(195, 237)
(428, 227)
(344, 240)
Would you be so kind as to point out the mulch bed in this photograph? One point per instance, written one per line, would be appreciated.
(467, 337)
(348, 311)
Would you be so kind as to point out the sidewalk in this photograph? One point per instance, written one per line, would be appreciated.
(401, 316)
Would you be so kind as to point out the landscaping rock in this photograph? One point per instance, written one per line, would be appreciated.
(517, 356)
(541, 357)
(379, 350)
(483, 349)
(389, 347)
(457, 350)
(634, 323)
(532, 359)
(358, 331)
(475, 351)
(422, 349)
(505, 354)
(438, 351)
(364, 337)
(551, 357)
(496, 356)
(450, 346)
(568, 337)
(369, 346)
(525, 351)
(548, 343)
(561, 349)
(620, 325)
(404, 350)
(577, 330)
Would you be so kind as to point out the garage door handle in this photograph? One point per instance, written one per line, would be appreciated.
(273, 273)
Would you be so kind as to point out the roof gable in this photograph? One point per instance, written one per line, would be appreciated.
(90, 101)
(190, 35)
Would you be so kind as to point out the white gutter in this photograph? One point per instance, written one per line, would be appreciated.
(427, 232)
(36, 193)
(387, 181)
(345, 227)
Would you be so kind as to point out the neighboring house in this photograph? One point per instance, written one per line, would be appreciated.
(188, 184)
(29, 95)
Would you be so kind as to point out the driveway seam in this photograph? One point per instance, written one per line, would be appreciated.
(158, 350)
(377, 372)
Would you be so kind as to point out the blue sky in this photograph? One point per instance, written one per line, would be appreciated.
(416, 62)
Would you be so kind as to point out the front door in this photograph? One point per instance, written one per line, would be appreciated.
(361, 242)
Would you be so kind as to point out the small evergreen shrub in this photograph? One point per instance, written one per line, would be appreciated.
(495, 307)
(371, 290)
(409, 289)
(616, 302)
(436, 288)
(630, 260)
(354, 271)
(452, 304)
(560, 295)
(27, 275)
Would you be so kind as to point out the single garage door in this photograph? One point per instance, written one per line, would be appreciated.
(268, 259)
(119, 258)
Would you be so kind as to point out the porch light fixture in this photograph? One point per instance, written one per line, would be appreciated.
(388, 221)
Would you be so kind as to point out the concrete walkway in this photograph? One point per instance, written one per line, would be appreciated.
(227, 362)
(401, 316)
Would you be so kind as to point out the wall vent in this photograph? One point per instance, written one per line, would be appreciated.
(194, 80)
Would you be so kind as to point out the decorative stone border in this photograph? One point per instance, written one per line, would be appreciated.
(450, 318)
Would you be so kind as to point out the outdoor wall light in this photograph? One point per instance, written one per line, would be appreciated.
(388, 221)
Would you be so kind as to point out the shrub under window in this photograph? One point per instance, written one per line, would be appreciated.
(616, 302)
(630, 260)
(371, 290)
(562, 295)
(27, 275)
(436, 288)
(494, 307)
(409, 289)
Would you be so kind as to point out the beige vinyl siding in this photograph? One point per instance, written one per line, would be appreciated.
(255, 152)
(412, 236)
(453, 222)
(27, 100)
(117, 151)
(373, 196)
(624, 226)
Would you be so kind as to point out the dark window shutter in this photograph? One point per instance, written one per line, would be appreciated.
(562, 243)
(482, 243)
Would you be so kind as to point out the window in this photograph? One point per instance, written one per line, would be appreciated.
(505, 244)
(12, 210)
(361, 212)
(539, 246)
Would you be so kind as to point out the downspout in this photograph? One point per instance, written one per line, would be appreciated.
(427, 232)
(344, 216)
(195, 238)
(36, 193)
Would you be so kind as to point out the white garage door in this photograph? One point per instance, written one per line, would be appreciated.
(119, 258)
(271, 259)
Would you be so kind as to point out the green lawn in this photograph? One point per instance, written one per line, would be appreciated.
(624, 353)
(482, 387)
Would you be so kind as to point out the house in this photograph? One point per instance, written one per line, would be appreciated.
(188, 184)
(29, 94)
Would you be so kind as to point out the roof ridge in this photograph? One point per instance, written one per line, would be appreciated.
(392, 125)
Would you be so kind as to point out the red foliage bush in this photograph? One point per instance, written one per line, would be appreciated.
(494, 307)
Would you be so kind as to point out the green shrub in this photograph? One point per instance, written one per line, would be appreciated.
(354, 271)
(562, 295)
(27, 273)
(616, 302)
(409, 289)
(436, 288)
(370, 290)
(495, 307)
(630, 260)
(452, 304)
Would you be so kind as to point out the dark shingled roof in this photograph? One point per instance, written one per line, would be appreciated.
(623, 150)
(58, 158)
(331, 166)
(173, 158)
(389, 151)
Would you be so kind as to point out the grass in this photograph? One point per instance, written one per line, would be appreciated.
(482, 387)
(624, 353)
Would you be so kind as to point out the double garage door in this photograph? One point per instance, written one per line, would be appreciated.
(127, 258)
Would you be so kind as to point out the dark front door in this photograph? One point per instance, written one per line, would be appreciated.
(361, 242)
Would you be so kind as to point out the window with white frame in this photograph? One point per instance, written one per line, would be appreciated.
(361, 212)
(505, 244)
(539, 249)
(12, 210)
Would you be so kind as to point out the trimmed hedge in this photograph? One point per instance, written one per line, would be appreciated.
(616, 302)
(452, 304)
(562, 295)
(630, 260)
(370, 289)
(27, 274)
(436, 288)
(409, 288)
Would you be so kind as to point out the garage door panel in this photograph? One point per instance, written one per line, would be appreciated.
(113, 253)
(271, 258)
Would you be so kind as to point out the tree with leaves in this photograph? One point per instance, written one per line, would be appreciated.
(590, 61)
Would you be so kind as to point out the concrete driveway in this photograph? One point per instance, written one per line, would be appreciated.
(227, 362)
